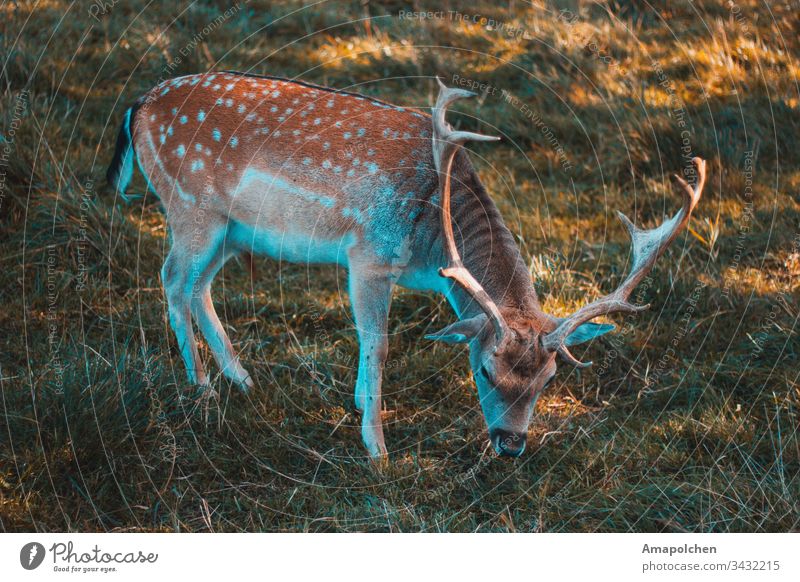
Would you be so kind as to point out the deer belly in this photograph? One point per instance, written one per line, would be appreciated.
(291, 245)
(276, 216)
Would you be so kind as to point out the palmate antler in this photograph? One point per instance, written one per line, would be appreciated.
(446, 142)
(648, 245)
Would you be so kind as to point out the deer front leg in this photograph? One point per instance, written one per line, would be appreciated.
(370, 296)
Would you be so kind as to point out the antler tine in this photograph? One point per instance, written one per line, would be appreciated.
(446, 142)
(648, 245)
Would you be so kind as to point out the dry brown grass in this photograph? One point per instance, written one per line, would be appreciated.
(99, 431)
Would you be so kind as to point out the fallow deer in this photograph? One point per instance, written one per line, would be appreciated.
(303, 173)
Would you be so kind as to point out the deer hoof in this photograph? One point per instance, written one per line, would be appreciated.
(376, 447)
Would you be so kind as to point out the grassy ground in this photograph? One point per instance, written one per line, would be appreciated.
(688, 420)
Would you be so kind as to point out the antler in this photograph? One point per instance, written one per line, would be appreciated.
(648, 245)
(446, 142)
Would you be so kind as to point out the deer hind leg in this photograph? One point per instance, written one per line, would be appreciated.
(370, 297)
(175, 275)
(207, 319)
(188, 273)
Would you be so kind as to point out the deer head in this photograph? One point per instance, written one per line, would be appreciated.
(513, 354)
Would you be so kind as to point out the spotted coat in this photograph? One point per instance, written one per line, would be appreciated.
(277, 155)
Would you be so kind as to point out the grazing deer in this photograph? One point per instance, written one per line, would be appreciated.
(251, 164)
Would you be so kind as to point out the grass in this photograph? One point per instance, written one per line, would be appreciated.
(99, 430)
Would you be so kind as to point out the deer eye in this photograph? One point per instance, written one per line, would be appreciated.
(486, 375)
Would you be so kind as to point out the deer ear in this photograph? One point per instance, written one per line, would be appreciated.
(586, 332)
(461, 331)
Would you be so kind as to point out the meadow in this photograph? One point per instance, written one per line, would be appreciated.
(688, 420)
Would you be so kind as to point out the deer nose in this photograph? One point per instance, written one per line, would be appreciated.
(507, 443)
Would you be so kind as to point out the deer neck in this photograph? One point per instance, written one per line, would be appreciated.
(487, 249)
